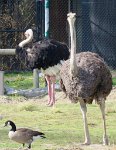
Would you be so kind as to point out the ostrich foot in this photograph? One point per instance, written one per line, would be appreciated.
(86, 143)
(105, 140)
(51, 104)
(48, 102)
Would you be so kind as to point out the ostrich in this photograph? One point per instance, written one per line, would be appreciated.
(85, 77)
(47, 55)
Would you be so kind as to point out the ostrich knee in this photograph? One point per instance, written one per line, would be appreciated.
(102, 108)
(86, 130)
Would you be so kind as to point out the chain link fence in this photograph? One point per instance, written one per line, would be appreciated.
(95, 25)
(58, 20)
(15, 17)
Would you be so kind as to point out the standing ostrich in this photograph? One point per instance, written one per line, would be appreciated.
(85, 77)
(47, 55)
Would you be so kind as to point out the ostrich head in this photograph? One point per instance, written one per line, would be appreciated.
(71, 17)
(22, 53)
(29, 36)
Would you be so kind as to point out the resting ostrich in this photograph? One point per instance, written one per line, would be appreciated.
(84, 77)
(47, 55)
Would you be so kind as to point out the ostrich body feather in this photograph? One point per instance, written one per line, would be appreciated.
(45, 54)
(93, 80)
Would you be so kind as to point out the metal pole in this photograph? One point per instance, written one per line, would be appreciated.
(4, 52)
(7, 51)
(47, 18)
(46, 23)
(1, 82)
(38, 22)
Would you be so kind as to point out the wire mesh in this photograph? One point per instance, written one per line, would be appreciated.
(95, 28)
(95, 25)
(15, 17)
(58, 20)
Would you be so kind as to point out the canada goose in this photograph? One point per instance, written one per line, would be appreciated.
(23, 135)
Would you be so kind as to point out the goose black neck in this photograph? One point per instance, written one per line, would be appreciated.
(13, 126)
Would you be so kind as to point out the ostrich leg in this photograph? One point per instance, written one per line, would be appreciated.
(102, 108)
(49, 88)
(53, 80)
(86, 130)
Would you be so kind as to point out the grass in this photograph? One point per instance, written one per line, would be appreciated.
(114, 81)
(24, 80)
(21, 80)
(62, 125)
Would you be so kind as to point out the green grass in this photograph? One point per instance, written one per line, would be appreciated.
(62, 125)
(113, 72)
(21, 80)
(114, 81)
(24, 80)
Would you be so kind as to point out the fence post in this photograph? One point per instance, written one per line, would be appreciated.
(1, 82)
(46, 34)
(36, 78)
(4, 52)
(47, 18)
(39, 26)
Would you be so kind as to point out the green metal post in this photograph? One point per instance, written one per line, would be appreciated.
(46, 18)
(46, 22)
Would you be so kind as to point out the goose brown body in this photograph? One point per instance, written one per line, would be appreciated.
(23, 135)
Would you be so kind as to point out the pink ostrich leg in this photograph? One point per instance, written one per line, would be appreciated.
(51, 89)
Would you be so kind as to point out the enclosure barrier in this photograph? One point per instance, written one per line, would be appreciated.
(7, 51)
(35, 78)
(4, 52)
(1, 82)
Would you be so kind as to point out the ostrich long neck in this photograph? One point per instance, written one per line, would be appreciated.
(29, 39)
(73, 42)
(73, 66)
